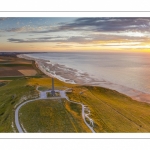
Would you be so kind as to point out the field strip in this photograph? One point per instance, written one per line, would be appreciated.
(43, 95)
(28, 72)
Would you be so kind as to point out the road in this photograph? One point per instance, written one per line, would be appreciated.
(43, 95)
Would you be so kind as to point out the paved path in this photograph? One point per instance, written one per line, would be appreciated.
(63, 95)
(43, 95)
(17, 115)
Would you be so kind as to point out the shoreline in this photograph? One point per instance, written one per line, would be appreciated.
(73, 76)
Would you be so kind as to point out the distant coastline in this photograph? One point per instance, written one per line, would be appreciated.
(134, 94)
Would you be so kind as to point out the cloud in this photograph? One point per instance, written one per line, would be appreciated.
(21, 29)
(112, 24)
(92, 24)
(13, 40)
(101, 30)
(103, 25)
(117, 37)
(98, 38)
(121, 44)
(72, 39)
(29, 29)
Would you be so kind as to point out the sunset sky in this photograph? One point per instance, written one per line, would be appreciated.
(75, 34)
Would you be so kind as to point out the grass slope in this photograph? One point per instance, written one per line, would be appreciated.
(10, 95)
(46, 83)
(58, 116)
(112, 111)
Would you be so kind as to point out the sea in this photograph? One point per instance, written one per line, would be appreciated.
(131, 70)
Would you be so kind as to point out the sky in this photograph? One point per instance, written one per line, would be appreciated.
(74, 34)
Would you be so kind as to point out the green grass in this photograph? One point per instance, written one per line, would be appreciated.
(112, 111)
(46, 82)
(3, 83)
(49, 94)
(43, 88)
(55, 116)
(16, 91)
(10, 95)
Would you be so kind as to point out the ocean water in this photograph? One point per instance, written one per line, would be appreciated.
(128, 69)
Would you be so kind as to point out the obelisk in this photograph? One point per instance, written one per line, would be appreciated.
(53, 91)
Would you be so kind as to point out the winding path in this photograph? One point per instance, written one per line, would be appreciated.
(43, 95)
(63, 95)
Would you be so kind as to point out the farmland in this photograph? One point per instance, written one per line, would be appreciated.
(17, 67)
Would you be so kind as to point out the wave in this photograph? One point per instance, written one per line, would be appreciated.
(62, 72)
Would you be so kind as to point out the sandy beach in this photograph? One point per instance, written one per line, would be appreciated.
(73, 76)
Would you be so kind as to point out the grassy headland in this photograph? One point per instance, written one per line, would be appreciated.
(110, 110)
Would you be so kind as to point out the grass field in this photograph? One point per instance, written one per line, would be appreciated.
(112, 111)
(12, 94)
(55, 116)
(15, 92)
(43, 88)
(46, 83)
(2, 83)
